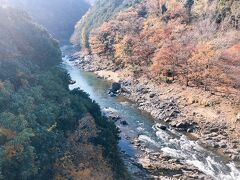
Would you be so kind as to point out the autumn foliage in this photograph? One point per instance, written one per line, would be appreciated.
(173, 41)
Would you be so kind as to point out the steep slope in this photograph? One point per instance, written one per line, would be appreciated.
(193, 42)
(22, 40)
(57, 16)
(42, 123)
(100, 12)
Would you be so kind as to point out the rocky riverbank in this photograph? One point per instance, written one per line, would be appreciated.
(207, 118)
(201, 117)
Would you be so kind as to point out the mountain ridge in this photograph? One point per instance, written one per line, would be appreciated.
(58, 17)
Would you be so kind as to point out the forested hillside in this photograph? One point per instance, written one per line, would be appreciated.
(195, 43)
(57, 16)
(46, 130)
(100, 12)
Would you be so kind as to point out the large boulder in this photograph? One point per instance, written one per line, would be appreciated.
(115, 89)
(126, 82)
(142, 89)
(159, 126)
(238, 116)
(185, 126)
(124, 123)
(152, 95)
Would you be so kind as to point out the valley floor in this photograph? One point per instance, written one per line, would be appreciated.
(209, 118)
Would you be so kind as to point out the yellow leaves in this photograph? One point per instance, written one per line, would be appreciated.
(97, 47)
(119, 50)
(85, 173)
(85, 125)
(122, 50)
(203, 54)
(123, 47)
(153, 24)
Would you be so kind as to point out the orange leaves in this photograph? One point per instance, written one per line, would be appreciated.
(169, 38)
(166, 58)
(102, 38)
(153, 30)
(9, 134)
(84, 160)
(161, 58)
(105, 27)
(143, 52)
(11, 150)
(232, 55)
(97, 43)
(203, 54)
(131, 50)
(123, 49)
(158, 61)
(204, 68)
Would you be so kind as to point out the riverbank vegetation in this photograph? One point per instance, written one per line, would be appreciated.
(42, 123)
(193, 43)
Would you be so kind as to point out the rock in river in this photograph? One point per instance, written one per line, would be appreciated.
(160, 126)
(124, 123)
(115, 88)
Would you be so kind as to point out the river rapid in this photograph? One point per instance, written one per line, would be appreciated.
(141, 127)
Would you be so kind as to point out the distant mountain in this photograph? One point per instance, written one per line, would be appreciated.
(58, 16)
(23, 40)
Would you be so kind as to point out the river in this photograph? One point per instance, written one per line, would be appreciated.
(141, 126)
